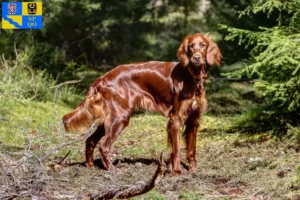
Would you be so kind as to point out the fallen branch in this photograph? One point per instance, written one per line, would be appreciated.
(15, 195)
(64, 158)
(90, 131)
(139, 188)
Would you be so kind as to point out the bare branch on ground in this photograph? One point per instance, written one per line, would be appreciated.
(140, 187)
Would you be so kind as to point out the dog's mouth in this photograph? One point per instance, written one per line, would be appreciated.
(197, 63)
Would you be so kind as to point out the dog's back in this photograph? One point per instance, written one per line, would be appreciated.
(132, 87)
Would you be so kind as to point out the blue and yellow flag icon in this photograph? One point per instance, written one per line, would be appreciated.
(22, 15)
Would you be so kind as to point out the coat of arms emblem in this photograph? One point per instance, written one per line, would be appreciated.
(31, 8)
(12, 8)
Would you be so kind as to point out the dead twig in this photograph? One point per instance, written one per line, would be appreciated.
(64, 158)
(16, 50)
(90, 131)
(14, 196)
(124, 192)
(4, 62)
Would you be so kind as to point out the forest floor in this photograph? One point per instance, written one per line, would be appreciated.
(229, 165)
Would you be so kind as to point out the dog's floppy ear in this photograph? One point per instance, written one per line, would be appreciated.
(182, 52)
(213, 55)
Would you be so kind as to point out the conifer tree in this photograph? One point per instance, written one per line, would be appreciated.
(275, 58)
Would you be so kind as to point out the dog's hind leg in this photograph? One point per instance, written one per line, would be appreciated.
(113, 128)
(90, 145)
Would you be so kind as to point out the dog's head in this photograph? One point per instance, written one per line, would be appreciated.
(198, 50)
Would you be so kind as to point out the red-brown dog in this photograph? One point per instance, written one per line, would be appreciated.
(176, 90)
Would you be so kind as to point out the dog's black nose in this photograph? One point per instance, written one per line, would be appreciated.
(197, 57)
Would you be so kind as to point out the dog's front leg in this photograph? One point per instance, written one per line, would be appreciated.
(190, 133)
(173, 132)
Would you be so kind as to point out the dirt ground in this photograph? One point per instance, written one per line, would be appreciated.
(230, 166)
(259, 171)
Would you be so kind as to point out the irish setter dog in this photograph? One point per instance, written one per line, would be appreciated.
(176, 90)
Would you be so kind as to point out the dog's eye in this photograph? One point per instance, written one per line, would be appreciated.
(202, 45)
(191, 46)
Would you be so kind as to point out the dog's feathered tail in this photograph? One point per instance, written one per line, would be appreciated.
(91, 109)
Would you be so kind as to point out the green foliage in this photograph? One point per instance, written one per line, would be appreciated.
(295, 183)
(82, 35)
(270, 6)
(258, 120)
(191, 195)
(297, 169)
(230, 98)
(18, 80)
(294, 133)
(153, 194)
(22, 119)
(275, 58)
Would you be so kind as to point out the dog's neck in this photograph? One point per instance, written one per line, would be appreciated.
(199, 74)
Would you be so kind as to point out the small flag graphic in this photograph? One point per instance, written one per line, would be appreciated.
(12, 8)
(22, 15)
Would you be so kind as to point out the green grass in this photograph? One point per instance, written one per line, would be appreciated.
(28, 118)
(22, 121)
(248, 161)
(151, 195)
(252, 162)
(258, 162)
(227, 98)
(142, 130)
